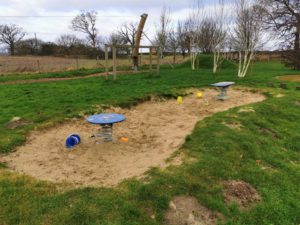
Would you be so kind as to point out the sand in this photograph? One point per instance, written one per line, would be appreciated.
(155, 129)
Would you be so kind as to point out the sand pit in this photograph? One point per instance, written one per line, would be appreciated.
(155, 130)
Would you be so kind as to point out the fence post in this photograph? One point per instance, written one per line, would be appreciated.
(158, 61)
(38, 65)
(151, 62)
(106, 61)
(115, 62)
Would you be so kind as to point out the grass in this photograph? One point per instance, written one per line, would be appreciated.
(71, 73)
(268, 135)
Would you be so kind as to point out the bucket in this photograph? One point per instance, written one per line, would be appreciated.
(72, 140)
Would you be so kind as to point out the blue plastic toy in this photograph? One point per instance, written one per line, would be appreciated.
(72, 140)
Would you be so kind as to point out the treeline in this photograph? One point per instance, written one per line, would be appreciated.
(66, 45)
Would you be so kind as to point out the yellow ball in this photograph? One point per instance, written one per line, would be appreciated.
(199, 95)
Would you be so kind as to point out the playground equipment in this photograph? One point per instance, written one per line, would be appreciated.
(135, 51)
(106, 122)
(223, 86)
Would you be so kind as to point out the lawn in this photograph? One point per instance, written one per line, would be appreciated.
(270, 136)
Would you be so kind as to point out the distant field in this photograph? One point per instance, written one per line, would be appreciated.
(35, 64)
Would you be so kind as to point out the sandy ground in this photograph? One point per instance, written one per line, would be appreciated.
(155, 130)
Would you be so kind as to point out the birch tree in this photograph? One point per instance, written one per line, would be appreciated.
(163, 30)
(193, 26)
(247, 35)
(218, 40)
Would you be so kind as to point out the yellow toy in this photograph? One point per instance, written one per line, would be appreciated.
(199, 94)
(179, 100)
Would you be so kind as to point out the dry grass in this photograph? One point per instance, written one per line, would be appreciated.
(292, 78)
(35, 64)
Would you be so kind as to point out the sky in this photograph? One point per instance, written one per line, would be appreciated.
(51, 18)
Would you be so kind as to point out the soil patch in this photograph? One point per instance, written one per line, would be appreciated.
(153, 131)
(241, 193)
(17, 122)
(293, 78)
(185, 210)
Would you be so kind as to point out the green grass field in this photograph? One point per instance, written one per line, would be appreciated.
(216, 148)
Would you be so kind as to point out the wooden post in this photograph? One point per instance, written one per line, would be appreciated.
(158, 61)
(114, 62)
(38, 65)
(106, 61)
(138, 36)
(151, 63)
(77, 64)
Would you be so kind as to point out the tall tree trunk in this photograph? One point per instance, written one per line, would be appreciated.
(12, 49)
(297, 47)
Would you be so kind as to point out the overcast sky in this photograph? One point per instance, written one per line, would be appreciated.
(50, 18)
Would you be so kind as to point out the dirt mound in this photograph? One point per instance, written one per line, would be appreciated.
(185, 210)
(154, 131)
(241, 193)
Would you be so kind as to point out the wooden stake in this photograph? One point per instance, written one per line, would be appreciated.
(151, 63)
(106, 62)
(115, 62)
(158, 61)
(38, 65)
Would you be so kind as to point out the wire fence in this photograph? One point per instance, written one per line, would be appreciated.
(43, 64)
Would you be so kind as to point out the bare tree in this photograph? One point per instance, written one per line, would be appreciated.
(163, 30)
(68, 40)
(173, 44)
(218, 40)
(11, 35)
(194, 22)
(85, 22)
(206, 31)
(115, 39)
(247, 35)
(283, 17)
(183, 38)
(128, 33)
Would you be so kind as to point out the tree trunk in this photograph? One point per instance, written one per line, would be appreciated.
(12, 49)
(297, 47)
(174, 57)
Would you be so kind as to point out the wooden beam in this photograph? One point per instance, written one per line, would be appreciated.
(131, 46)
(138, 36)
